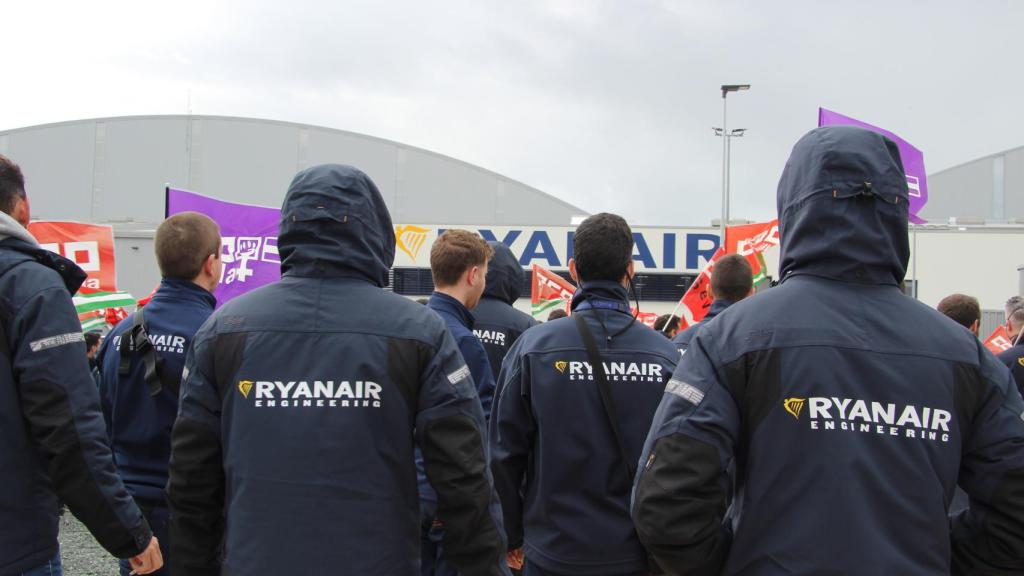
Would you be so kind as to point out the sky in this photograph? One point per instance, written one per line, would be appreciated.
(607, 105)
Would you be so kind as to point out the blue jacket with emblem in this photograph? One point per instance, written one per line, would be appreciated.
(550, 430)
(498, 325)
(1014, 360)
(682, 340)
(847, 411)
(139, 424)
(52, 443)
(304, 400)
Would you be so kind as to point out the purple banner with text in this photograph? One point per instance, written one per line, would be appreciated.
(249, 240)
(913, 159)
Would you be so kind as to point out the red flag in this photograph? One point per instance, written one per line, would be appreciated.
(697, 301)
(999, 341)
(88, 245)
(647, 318)
(115, 315)
(146, 300)
(549, 291)
(750, 240)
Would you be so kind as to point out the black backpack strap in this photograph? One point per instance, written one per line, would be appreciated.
(597, 367)
(138, 341)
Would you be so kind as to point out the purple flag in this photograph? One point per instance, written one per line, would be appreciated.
(249, 236)
(913, 159)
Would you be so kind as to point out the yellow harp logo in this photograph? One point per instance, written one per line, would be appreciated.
(245, 386)
(794, 406)
(410, 239)
(561, 365)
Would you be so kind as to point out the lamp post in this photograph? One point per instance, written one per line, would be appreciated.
(726, 137)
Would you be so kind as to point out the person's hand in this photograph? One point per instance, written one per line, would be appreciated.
(514, 558)
(149, 561)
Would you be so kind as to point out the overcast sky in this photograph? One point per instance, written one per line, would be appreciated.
(607, 105)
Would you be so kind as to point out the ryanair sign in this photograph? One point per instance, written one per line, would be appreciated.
(669, 250)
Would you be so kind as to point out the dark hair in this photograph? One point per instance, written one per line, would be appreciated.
(556, 314)
(671, 319)
(454, 252)
(92, 338)
(602, 248)
(964, 309)
(732, 278)
(12, 184)
(183, 242)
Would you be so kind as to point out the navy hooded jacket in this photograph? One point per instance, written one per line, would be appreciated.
(303, 402)
(139, 424)
(52, 442)
(498, 325)
(550, 430)
(848, 410)
(682, 340)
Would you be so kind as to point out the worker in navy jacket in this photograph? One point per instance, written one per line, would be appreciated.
(498, 325)
(731, 281)
(848, 411)
(303, 401)
(53, 447)
(563, 481)
(139, 382)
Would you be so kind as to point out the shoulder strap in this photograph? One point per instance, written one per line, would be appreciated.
(137, 339)
(606, 396)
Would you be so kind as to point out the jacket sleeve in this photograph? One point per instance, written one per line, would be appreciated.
(988, 537)
(61, 406)
(511, 439)
(106, 387)
(681, 490)
(195, 489)
(450, 432)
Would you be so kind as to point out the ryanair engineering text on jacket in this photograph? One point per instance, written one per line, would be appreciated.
(139, 424)
(498, 325)
(848, 410)
(303, 401)
(550, 429)
(51, 430)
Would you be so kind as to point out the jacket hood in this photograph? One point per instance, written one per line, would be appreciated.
(504, 275)
(334, 223)
(843, 208)
(11, 228)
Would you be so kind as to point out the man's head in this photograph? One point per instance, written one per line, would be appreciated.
(556, 314)
(92, 343)
(188, 248)
(667, 324)
(963, 309)
(1014, 316)
(13, 200)
(602, 250)
(458, 263)
(732, 279)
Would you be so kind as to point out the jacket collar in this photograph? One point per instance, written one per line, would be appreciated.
(601, 294)
(717, 307)
(184, 290)
(446, 304)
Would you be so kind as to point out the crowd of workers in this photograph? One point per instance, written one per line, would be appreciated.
(324, 425)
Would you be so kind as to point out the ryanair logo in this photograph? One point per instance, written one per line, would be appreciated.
(245, 386)
(311, 394)
(561, 365)
(1020, 360)
(410, 239)
(876, 418)
(794, 406)
(615, 371)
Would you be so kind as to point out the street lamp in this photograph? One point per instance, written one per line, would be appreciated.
(726, 138)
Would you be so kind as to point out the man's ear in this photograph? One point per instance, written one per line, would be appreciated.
(631, 268)
(572, 270)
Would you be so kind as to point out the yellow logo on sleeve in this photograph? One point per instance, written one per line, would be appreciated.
(561, 366)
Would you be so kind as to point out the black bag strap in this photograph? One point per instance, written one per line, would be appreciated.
(137, 340)
(597, 367)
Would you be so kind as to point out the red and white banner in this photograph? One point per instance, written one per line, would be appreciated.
(89, 246)
(549, 291)
(999, 341)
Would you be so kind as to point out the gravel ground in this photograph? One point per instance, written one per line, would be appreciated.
(80, 554)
